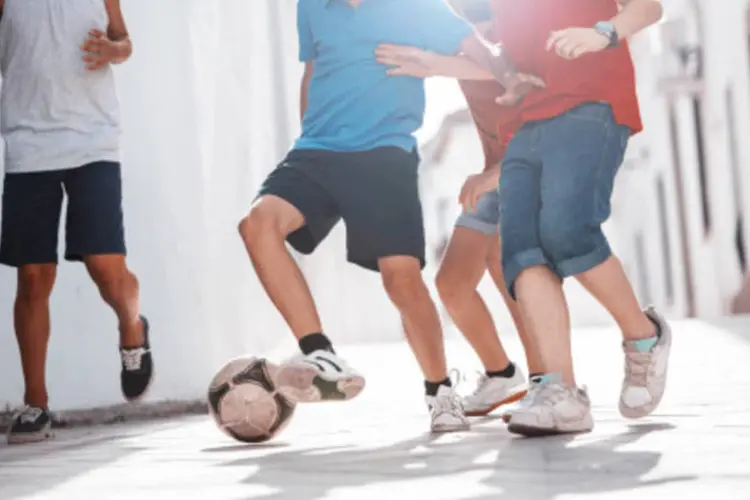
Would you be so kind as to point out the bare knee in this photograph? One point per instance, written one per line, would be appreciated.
(35, 282)
(112, 276)
(403, 282)
(454, 290)
(270, 217)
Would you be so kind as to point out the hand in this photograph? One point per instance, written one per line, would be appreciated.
(99, 50)
(406, 61)
(572, 43)
(477, 185)
(517, 85)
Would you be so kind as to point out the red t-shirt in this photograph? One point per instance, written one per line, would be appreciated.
(524, 27)
(496, 124)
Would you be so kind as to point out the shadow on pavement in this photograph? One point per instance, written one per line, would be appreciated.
(495, 466)
(32, 469)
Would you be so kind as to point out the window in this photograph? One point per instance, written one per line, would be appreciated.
(736, 177)
(684, 247)
(666, 248)
(702, 164)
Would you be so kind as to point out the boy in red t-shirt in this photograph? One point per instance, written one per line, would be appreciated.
(475, 248)
(555, 190)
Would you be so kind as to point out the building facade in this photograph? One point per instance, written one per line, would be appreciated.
(681, 207)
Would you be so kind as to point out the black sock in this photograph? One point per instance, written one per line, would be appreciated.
(507, 372)
(315, 342)
(431, 388)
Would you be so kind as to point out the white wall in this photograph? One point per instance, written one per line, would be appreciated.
(210, 104)
(703, 263)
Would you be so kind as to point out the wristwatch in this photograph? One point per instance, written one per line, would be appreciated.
(608, 29)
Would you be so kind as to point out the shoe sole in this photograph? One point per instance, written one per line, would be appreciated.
(35, 437)
(303, 384)
(511, 399)
(446, 430)
(529, 431)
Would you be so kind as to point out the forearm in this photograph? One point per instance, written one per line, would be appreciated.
(459, 67)
(487, 56)
(636, 15)
(492, 169)
(303, 93)
(304, 89)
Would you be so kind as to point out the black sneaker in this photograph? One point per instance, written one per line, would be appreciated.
(30, 425)
(137, 367)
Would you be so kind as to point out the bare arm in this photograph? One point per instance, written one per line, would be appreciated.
(304, 88)
(117, 32)
(636, 15)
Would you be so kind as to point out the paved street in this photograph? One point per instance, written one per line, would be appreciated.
(697, 446)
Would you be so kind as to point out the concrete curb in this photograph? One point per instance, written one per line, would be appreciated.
(118, 414)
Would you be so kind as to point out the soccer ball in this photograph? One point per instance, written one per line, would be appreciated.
(244, 402)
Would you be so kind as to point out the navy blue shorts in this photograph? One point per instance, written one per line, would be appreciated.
(555, 189)
(375, 192)
(32, 206)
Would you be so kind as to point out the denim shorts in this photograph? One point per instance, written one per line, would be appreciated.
(555, 189)
(486, 217)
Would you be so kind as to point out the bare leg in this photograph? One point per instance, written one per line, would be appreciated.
(32, 325)
(549, 326)
(403, 282)
(460, 272)
(264, 233)
(609, 285)
(119, 289)
(533, 357)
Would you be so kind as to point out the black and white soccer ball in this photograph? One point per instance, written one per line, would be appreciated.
(244, 402)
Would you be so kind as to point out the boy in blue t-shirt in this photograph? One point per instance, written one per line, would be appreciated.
(356, 160)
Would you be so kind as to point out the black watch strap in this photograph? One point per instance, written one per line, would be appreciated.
(608, 29)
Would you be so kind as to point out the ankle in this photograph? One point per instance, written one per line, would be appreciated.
(315, 342)
(508, 372)
(133, 333)
(37, 399)
(432, 388)
(643, 328)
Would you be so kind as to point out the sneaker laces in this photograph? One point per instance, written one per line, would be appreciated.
(550, 394)
(447, 403)
(637, 366)
(132, 358)
(28, 414)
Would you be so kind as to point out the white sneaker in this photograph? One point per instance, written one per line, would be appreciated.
(446, 411)
(494, 392)
(533, 385)
(646, 372)
(555, 409)
(318, 376)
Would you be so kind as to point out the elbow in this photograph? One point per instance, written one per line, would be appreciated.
(657, 11)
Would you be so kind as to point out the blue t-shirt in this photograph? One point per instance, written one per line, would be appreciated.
(353, 105)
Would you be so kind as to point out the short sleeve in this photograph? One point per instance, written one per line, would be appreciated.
(304, 32)
(443, 30)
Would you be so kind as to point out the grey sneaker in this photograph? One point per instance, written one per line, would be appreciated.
(446, 411)
(645, 372)
(533, 385)
(554, 408)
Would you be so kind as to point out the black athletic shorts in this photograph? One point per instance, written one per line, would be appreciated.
(376, 192)
(32, 205)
